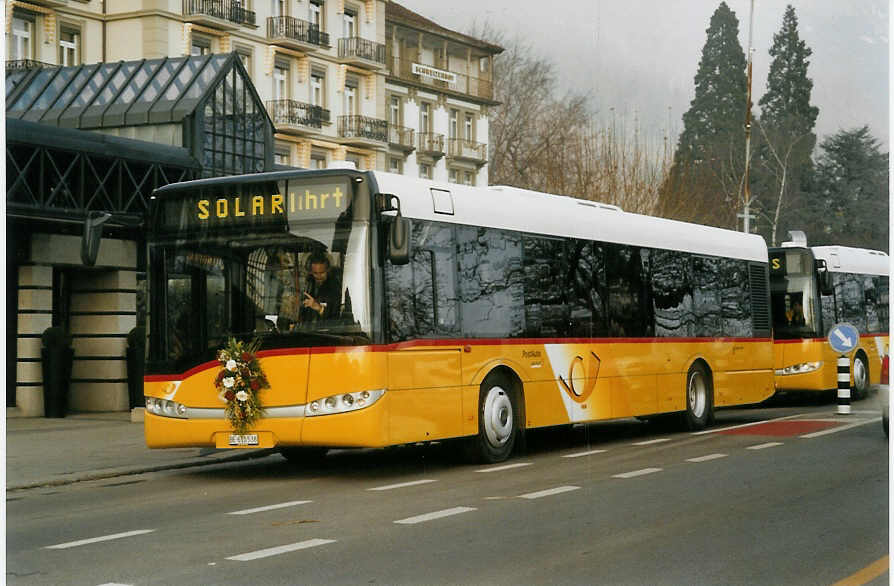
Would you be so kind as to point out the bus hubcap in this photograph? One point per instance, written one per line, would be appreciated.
(697, 394)
(860, 377)
(497, 416)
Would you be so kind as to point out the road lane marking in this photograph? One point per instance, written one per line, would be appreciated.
(867, 574)
(99, 539)
(435, 515)
(839, 428)
(402, 485)
(719, 429)
(548, 492)
(636, 473)
(765, 446)
(269, 508)
(506, 467)
(654, 441)
(580, 454)
(272, 551)
(707, 458)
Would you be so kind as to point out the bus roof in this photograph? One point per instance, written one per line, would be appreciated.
(511, 208)
(861, 261)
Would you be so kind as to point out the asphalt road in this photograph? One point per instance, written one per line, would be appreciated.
(801, 498)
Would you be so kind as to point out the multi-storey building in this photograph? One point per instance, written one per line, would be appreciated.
(366, 81)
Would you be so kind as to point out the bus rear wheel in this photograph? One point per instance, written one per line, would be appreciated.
(699, 398)
(497, 420)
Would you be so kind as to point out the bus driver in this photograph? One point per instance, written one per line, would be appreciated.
(322, 297)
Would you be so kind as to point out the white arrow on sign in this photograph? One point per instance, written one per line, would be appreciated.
(843, 338)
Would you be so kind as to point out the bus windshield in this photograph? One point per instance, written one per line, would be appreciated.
(794, 296)
(262, 266)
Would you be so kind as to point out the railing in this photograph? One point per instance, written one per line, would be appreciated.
(363, 127)
(223, 9)
(431, 142)
(298, 113)
(288, 27)
(362, 48)
(467, 149)
(400, 135)
(464, 84)
(25, 64)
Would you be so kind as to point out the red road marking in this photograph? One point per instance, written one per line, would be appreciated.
(782, 428)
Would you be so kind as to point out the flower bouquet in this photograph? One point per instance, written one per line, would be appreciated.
(239, 383)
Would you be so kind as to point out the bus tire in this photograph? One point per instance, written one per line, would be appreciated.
(498, 420)
(861, 376)
(304, 455)
(699, 398)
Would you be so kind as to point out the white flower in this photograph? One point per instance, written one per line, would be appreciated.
(229, 381)
(231, 365)
(242, 396)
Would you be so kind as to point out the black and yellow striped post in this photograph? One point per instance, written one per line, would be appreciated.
(844, 385)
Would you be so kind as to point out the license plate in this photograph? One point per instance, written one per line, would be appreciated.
(245, 439)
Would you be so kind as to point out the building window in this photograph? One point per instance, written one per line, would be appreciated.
(22, 38)
(281, 82)
(425, 170)
(318, 88)
(316, 14)
(279, 8)
(468, 178)
(350, 97)
(454, 117)
(317, 159)
(350, 22)
(281, 155)
(451, 176)
(200, 45)
(424, 117)
(357, 160)
(396, 165)
(395, 110)
(69, 47)
(244, 54)
(469, 127)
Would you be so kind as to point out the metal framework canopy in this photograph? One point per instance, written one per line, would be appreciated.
(205, 103)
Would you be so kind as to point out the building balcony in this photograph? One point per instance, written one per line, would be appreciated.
(467, 150)
(431, 144)
(401, 137)
(294, 33)
(440, 79)
(291, 117)
(361, 53)
(363, 131)
(26, 64)
(220, 14)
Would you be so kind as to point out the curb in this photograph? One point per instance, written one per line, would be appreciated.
(132, 470)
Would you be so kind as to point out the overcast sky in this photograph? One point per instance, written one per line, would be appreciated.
(640, 56)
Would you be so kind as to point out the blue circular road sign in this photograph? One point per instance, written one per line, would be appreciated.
(843, 338)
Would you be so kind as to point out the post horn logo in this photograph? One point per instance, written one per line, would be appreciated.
(582, 374)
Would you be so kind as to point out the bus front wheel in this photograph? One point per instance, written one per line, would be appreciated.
(861, 377)
(699, 398)
(497, 420)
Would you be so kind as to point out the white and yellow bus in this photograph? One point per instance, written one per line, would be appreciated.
(814, 288)
(461, 312)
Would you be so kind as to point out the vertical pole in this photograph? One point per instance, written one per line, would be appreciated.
(746, 179)
(844, 385)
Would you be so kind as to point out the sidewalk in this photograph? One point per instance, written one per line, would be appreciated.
(91, 446)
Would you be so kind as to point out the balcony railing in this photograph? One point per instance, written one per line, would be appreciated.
(297, 113)
(25, 64)
(401, 136)
(456, 82)
(293, 29)
(357, 48)
(222, 9)
(431, 143)
(363, 127)
(461, 148)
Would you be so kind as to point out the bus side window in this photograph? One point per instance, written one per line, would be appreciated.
(706, 296)
(544, 266)
(672, 293)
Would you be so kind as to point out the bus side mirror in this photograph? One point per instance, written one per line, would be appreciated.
(399, 240)
(824, 277)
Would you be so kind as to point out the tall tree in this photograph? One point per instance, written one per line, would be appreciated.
(706, 178)
(850, 205)
(786, 127)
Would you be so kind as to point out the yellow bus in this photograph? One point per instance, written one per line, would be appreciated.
(814, 288)
(457, 312)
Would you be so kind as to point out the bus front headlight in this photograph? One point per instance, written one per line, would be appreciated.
(801, 368)
(343, 403)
